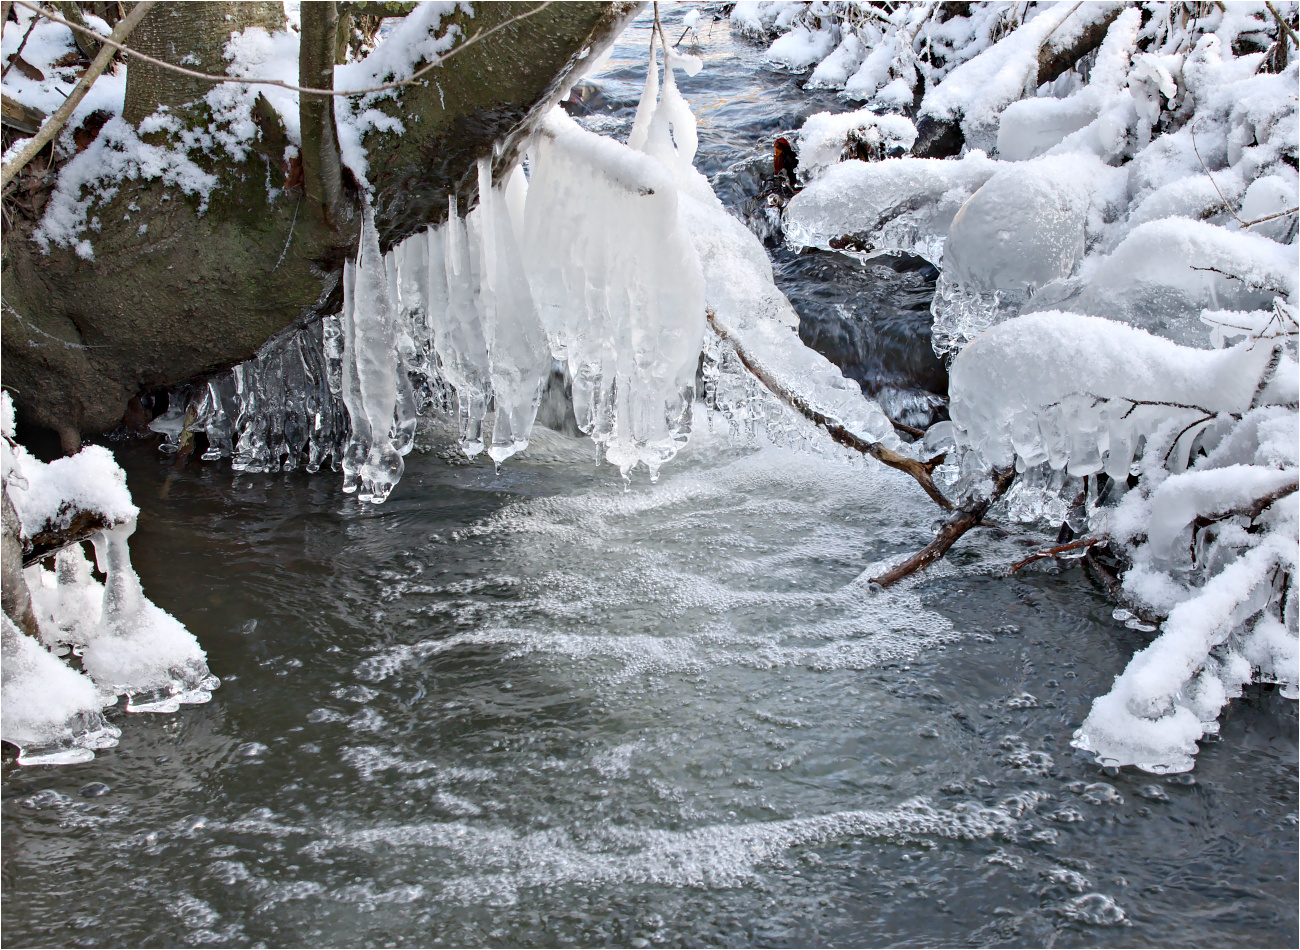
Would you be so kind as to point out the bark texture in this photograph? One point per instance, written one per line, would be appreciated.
(193, 35)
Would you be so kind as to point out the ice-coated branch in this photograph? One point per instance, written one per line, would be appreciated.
(970, 514)
(1251, 509)
(1080, 543)
(921, 471)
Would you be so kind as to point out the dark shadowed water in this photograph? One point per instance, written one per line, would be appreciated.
(530, 709)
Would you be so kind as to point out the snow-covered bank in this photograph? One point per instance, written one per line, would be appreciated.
(124, 644)
(1150, 189)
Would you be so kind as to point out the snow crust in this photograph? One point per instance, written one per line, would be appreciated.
(55, 492)
(94, 176)
(418, 38)
(902, 204)
(48, 44)
(117, 154)
(824, 137)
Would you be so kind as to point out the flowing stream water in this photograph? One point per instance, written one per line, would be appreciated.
(530, 709)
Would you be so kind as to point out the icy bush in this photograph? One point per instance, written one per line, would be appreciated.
(1146, 196)
(1131, 188)
(1207, 532)
(126, 644)
(1166, 272)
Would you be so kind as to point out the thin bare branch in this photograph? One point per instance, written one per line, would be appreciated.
(968, 516)
(921, 471)
(1282, 24)
(306, 90)
(1270, 217)
(1060, 549)
(17, 54)
(1226, 204)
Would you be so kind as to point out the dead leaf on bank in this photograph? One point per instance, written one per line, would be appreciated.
(26, 68)
(85, 133)
(293, 177)
(69, 59)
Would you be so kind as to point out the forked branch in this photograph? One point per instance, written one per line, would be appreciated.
(968, 516)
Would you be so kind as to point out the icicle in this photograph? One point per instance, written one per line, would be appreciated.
(619, 288)
(458, 332)
(373, 325)
(645, 108)
(138, 648)
(518, 355)
(354, 455)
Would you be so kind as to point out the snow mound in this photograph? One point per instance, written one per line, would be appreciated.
(904, 204)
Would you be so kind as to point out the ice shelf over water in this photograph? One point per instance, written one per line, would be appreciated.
(600, 260)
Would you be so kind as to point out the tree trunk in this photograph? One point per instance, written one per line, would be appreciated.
(193, 35)
(172, 294)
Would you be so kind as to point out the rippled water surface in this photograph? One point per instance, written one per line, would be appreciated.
(534, 710)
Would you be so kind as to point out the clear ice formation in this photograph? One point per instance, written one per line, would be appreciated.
(584, 261)
(603, 258)
(619, 289)
(126, 644)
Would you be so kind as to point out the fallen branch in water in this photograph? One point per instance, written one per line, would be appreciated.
(904, 428)
(1058, 550)
(921, 471)
(968, 516)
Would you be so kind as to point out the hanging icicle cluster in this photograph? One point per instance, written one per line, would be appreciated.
(585, 261)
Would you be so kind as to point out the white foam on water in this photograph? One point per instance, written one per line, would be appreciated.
(731, 564)
(500, 862)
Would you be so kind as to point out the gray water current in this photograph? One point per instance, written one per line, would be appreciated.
(532, 709)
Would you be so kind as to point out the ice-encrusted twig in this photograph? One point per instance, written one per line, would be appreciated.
(921, 471)
(1084, 543)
